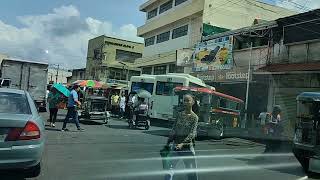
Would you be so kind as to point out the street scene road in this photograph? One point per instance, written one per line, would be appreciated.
(115, 152)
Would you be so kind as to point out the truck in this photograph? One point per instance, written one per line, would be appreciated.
(26, 75)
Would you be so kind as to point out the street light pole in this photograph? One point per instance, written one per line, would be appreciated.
(248, 86)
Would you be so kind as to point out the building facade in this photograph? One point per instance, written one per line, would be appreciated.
(112, 58)
(278, 64)
(177, 24)
(77, 74)
(56, 75)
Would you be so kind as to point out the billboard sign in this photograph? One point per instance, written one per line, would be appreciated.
(215, 54)
(184, 57)
(231, 75)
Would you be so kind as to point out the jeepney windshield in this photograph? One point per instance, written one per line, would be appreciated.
(307, 110)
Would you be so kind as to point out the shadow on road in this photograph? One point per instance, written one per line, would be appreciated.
(118, 126)
(164, 132)
(52, 129)
(12, 175)
(86, 122)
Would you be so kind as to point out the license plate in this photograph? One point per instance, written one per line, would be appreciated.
(314, 165)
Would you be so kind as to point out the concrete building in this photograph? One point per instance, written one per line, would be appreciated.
(77, 74)
(58, 75)
(112, 58)
(178, 24)
(282, 64)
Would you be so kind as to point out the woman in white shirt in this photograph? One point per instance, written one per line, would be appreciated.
(122, 105)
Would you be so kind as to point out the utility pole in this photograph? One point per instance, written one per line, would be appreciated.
(57, 73)
(248, 86)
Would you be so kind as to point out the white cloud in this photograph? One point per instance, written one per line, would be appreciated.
(62, 33)
(299, 5)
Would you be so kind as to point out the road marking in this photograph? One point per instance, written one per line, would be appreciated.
(303, 178)
(204, 170)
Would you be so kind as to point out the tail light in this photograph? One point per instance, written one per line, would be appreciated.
(29, 132)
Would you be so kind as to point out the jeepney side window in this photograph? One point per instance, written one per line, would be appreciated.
(304, 109)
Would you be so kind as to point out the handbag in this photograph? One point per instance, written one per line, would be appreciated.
(164, 153)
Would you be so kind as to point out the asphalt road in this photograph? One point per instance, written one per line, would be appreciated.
(115, 152)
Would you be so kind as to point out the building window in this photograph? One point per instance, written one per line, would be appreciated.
(149, 41)
(127, 56)
(165, 7)
(147, 70)
(152, 13)
(175, 69)
(177, 2)
(96, 54)
(160, 70)
(179, 32)
(163, 37)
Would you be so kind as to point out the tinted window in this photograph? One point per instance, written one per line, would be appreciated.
(127, 56)
(160, 70)
(149, 41)
(179, 32)
(152, 13)
(14, 103)
(147, 70)
(140, 85)
(166, 88)
(165, 7)
(177, 2)
(163, 37)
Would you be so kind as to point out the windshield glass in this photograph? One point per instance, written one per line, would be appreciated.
(160, 89)
(12, 103)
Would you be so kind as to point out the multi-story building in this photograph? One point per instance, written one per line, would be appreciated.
(282, 64)
(112, 58)
(178, 24)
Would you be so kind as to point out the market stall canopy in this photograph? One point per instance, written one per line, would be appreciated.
(89, 83)
(62, 89)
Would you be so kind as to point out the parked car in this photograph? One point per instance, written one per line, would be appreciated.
(21, 132)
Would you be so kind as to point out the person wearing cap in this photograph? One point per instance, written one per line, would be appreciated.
(73, 102)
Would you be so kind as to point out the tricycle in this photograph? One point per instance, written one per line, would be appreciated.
(95, 108)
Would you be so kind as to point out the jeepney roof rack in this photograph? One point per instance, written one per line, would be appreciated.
(309, 96)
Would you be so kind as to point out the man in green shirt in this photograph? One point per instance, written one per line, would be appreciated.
(53, 99)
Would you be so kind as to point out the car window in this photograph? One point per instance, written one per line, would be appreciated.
(12, 103)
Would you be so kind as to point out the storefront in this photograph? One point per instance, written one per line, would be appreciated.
(286, 83)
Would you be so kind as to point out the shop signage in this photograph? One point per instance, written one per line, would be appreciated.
(119, 44)
(215, 54)
(231, 75)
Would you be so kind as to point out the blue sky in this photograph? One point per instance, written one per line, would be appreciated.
(99, 9)
(57, 31)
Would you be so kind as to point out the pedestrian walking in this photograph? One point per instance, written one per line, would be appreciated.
(115, 104)
(122, 105)
(181, 141)
(53, 100)
(73, 102)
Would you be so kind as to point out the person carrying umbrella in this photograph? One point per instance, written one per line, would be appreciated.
(53, 100)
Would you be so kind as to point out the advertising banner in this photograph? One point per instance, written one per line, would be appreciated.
(215, 54)
(184, 57)
(231, 75)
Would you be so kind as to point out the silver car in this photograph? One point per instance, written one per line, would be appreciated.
(21, 132)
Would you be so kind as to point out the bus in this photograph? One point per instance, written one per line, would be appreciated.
(161, 87)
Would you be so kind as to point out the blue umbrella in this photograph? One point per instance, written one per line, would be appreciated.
(61, 88)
